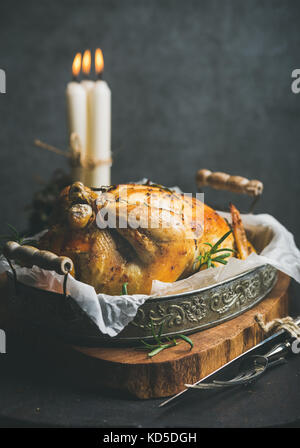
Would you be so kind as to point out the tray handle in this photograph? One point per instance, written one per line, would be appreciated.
(234, 184)
(29, 256)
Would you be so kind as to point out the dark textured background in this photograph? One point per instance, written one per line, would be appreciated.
(194, 83)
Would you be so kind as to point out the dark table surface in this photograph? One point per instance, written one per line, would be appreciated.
(33, 393)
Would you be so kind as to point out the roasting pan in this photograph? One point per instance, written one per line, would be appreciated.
(59, 314)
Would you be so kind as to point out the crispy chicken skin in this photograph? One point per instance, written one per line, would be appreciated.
(162, 246)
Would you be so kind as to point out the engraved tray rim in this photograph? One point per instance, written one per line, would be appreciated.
(70, 322)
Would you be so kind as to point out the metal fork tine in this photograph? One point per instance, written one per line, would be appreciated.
(243, 378)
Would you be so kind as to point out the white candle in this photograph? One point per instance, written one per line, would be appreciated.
(76, 97)
(87, 84)
(99, 146)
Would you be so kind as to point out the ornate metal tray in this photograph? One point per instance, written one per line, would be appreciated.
(183, 313)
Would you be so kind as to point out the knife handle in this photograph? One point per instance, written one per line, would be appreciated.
(278, 351)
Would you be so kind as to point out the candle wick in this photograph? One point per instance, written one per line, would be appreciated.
(100, 76)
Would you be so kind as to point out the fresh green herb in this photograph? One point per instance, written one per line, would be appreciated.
(210, 257)
(186, 339)
(163, 343)
(14, 235)
(124, 289)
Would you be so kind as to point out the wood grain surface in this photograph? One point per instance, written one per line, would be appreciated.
(129, 369)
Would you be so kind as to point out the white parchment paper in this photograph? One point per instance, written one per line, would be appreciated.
(274, 243)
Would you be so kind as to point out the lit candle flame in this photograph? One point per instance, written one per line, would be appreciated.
(86, 62)
(76, 65)
(99, 62)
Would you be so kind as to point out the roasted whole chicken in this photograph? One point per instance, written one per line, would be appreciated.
(135, 234)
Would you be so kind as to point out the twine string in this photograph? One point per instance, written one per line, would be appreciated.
(75, 153)
(285, 323)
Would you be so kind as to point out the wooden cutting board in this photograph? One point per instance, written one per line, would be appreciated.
(130, 370)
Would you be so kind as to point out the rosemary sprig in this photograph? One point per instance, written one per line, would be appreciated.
(207, 259)
(163, 343)
(14, 235)
(124, 289)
